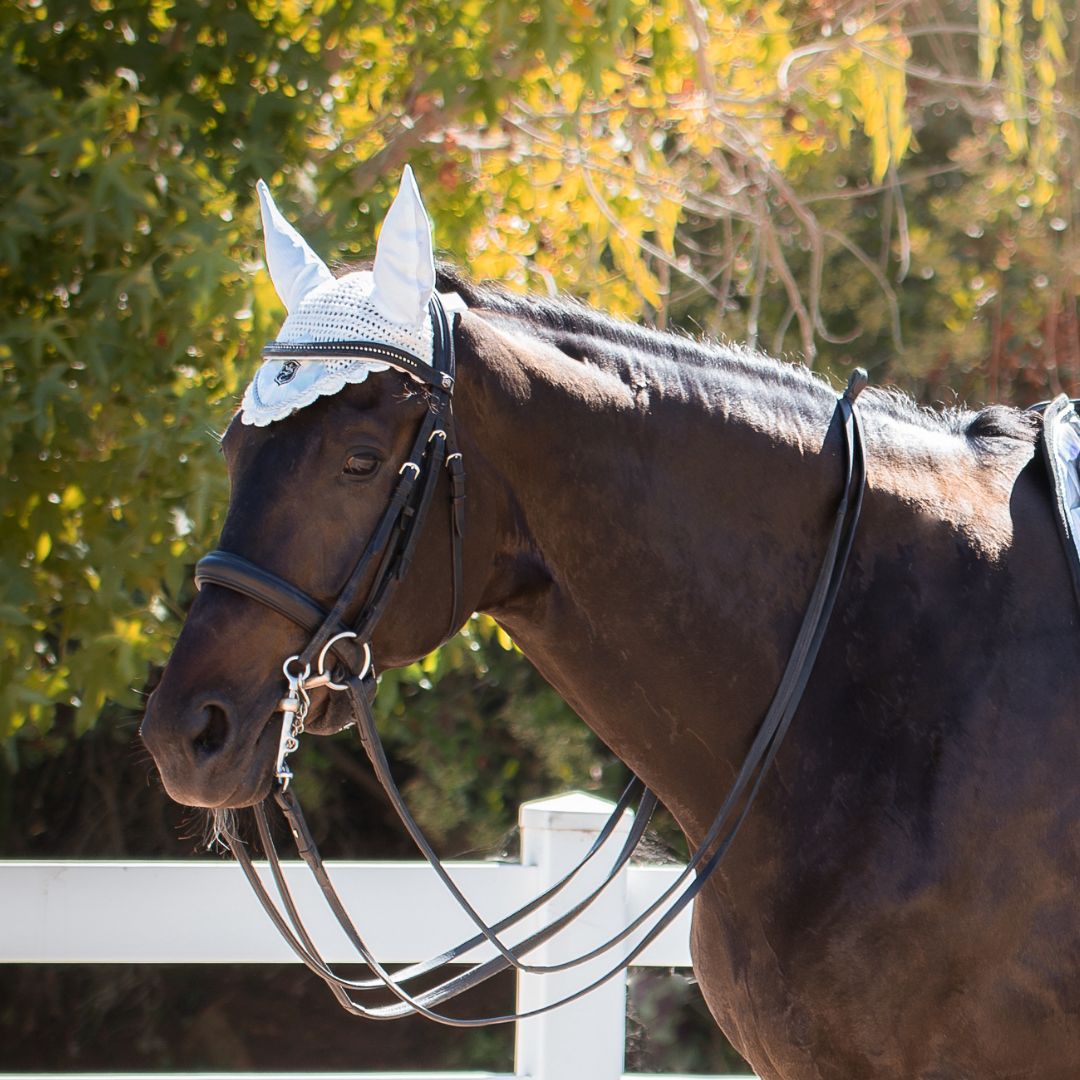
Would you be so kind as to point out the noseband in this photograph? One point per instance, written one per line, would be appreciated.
(385, 560)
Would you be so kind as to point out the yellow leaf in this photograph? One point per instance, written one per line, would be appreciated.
(572, 85)
(160, 18)
(127, 631)
(1042, 192)
(989, 38)
(780, 151)
(1014, 135)
(1051, 39)
(43, 547)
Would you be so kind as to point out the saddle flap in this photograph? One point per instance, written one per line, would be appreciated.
(1061, 451)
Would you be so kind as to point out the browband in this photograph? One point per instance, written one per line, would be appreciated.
(369, 350)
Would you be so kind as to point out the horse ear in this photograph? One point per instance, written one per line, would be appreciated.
(294, 268)
(404, 257)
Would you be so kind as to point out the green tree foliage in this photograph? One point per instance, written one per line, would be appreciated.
(890, 184)
(134, 135)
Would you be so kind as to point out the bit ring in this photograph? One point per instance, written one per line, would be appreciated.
(321, 663)
(289, 676)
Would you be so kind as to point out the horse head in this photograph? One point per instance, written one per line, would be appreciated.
(320, 448)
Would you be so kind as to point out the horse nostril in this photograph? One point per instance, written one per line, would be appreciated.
(213, 735)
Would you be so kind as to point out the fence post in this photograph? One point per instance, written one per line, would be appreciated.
(584, 1040)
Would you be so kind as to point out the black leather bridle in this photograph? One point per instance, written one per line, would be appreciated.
(394, 538)
(389, 551)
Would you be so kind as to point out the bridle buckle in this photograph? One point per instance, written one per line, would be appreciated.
(294, 708)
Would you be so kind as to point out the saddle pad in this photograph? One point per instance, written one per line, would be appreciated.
(1061, 454)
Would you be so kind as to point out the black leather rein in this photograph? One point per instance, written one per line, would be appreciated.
(389, 551)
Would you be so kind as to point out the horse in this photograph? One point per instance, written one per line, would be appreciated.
(646, 517)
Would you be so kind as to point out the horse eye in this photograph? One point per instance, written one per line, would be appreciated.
(361, 464)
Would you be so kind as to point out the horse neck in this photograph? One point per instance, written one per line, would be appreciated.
(656, 546)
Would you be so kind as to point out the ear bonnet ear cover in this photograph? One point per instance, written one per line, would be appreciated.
(361, 306)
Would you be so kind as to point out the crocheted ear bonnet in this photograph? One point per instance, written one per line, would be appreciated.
(388, 304)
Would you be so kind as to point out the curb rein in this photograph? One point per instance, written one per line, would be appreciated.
(390, 550)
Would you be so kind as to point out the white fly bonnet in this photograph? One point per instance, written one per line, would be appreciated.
(387, 305)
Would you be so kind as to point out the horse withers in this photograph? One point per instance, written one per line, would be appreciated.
(646, 517)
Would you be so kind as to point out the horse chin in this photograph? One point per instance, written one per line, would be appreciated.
(329, 716)
(246, 795)
(226, 789)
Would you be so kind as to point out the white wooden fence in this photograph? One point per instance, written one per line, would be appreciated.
(204, 913)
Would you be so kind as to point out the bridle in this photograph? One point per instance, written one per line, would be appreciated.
(384, 561)
(389, 549)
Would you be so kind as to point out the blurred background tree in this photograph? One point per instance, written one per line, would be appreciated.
(887, 183)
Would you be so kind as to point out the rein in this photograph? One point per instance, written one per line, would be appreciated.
(389, 551)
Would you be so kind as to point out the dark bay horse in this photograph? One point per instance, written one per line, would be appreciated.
(646, 517)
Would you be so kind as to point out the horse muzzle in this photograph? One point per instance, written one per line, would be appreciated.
(205, 756)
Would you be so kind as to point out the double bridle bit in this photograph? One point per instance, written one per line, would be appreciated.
(295, 704)
(389, 551)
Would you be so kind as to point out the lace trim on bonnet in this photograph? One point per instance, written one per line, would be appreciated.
(337, 310)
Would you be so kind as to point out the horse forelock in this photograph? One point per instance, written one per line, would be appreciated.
(988, 431)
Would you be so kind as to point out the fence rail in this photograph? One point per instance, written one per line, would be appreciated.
(203, 913)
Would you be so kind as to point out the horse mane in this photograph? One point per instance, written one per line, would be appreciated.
(989, 430)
